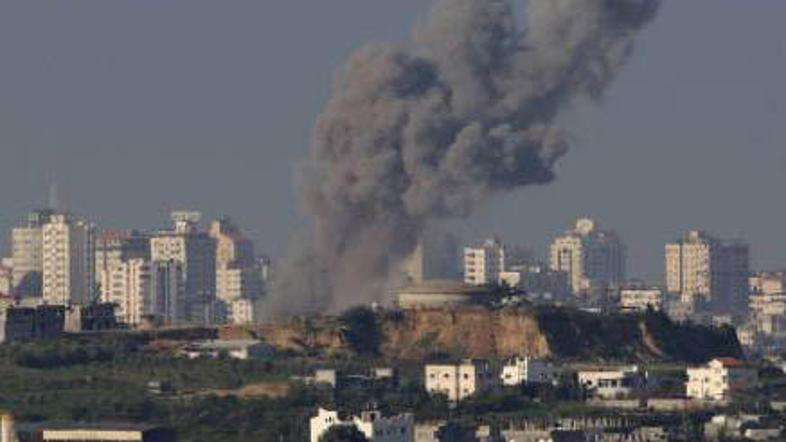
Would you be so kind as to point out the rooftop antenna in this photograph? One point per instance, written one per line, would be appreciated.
(54, 196)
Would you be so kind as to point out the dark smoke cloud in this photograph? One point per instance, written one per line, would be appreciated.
(421, 132)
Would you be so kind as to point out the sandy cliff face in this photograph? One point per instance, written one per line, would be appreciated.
(475, 333)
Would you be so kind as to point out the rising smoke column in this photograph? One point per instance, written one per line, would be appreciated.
(424, 131)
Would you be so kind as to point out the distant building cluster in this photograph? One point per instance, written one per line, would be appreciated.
(177, 276)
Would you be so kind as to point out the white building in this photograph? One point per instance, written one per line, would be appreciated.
(68, 261)
(195, 252)
(642, 298)
(767, 304)
(720, 379)
(460, 381)
(27, 254)
(528, 370)
(591, 258)
(702, 268)
(129, 285)
(235, 349)
(244, 311)
(115, 247)
(239, 276)
(482, 265)
(611, 383)
(372, 424)
(6, 280)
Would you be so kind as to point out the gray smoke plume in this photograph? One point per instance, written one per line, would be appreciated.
(421, 132)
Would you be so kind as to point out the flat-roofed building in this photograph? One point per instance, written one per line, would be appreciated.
(375, 426)
(483, 264)
(441, 294)
(702, 268)
(195, 253)
(592, 258)
(611, 383)
(106, 432)
(720, 379)
(460, 381)
(642, 298)
(527, 370)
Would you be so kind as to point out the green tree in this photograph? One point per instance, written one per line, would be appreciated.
(343, 433)
(361, 330)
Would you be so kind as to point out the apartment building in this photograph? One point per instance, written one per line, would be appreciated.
(527, 370)
(720, 379)
(27, 262)
(195, 253)
(642, 298)
(460, 381)
(239, 276)
(128, 285)
(701, 268)
(611, 383)
(483, 264)
(68, 255)
(592, 258)
(114, 247)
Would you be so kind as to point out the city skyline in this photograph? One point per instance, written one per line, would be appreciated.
(661, 138)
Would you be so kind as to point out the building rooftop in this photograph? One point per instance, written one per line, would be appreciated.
(444, 286)
(730, 362)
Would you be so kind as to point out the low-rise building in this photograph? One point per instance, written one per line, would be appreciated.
(611, 383)
(527, 370)
(460, 381)
(720, 379)
(235, 349)
(24, 323)
(375, 426)
(641, 299)
(92, 317)
(96, 433)
(442, 294)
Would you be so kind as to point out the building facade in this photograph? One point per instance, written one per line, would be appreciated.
(483, 264)
(239, 276)
(527, 370)
(460, 381)
(27, 254)
(614, 383)
(720, 379)
(591, 258)
(375, 426)
(128, 284)
(195, 252)
(640, 299)
(701, 268)
(68, 261)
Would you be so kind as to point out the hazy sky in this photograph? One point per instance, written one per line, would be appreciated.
(138, 107)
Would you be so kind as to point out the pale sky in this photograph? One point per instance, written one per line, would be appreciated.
(138, 107)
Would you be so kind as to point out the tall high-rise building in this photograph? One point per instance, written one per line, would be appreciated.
(114, 248)
(700, 267)
(68, 261)
(195, 251)
(128, 284)
(592, 258)
(483, 265)
(239, 276)
(27, 262)
(169, 292)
